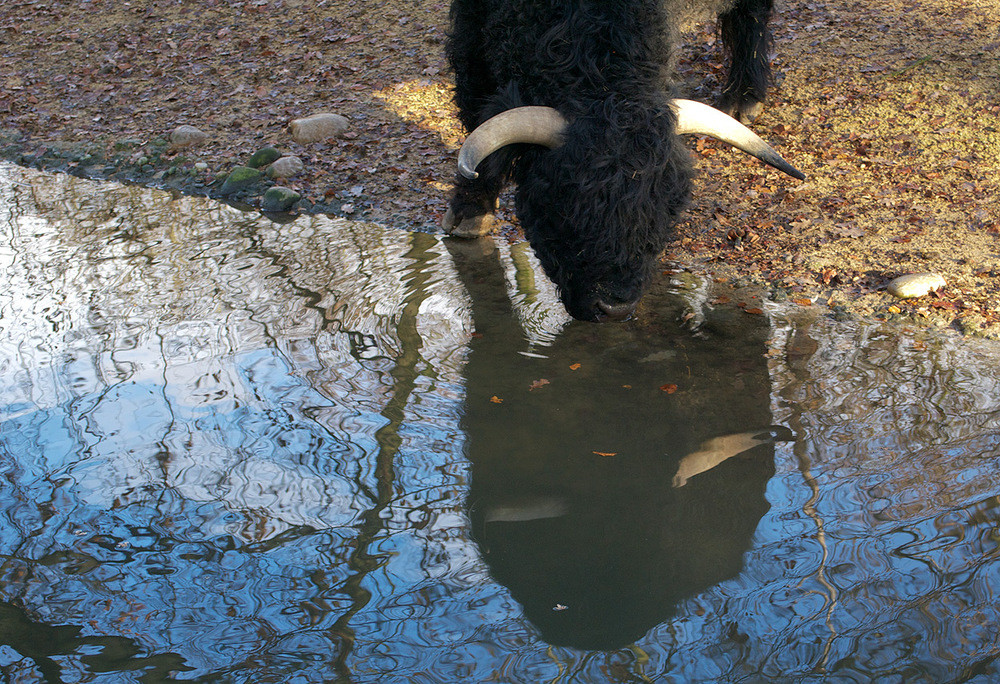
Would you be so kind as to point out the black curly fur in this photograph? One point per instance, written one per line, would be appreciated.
(747, 39)
(599, 209)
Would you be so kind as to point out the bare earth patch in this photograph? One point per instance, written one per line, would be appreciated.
(892, 109)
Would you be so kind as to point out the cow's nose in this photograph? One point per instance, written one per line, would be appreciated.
(615, 312)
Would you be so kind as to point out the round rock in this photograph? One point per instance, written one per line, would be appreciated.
(240, 178)
(915, 285)
(263, 157)
(317, 127)
(279, 199)
(187, 136)
(286, 167)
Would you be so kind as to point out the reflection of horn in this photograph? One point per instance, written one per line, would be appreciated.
(719, 449)
(697, 118)
(545, 126)
(537, 125)
(531, 509)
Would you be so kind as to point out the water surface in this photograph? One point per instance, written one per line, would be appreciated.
(240, 450)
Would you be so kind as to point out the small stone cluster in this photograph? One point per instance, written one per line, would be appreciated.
(267, 165)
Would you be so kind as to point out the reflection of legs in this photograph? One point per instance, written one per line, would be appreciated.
(478, 265)
(747, 39)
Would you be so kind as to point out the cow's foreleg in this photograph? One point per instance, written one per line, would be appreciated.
(747, 40)
(470, 213)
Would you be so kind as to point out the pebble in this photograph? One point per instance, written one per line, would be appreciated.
(286, 167)
(915, 285)
(279, 199)
(240, 178)
(263, 157)
(186, 136)
(317, 127)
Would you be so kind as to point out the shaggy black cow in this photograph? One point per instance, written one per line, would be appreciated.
(569, 100)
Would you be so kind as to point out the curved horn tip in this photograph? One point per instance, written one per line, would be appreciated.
(538, 125)
(699, 118)
(789, 169)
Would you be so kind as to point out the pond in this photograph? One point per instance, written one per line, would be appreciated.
(237, 449)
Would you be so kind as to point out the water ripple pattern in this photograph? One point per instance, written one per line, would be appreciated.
(239, 450)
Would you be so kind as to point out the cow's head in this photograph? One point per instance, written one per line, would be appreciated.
(598, 209)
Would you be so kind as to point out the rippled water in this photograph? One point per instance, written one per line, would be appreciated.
(244, 451)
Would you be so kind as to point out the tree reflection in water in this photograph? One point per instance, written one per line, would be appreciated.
(237, 450)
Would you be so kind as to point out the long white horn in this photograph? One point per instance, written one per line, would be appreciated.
(698, 118)
(537, 125)
(545, 126)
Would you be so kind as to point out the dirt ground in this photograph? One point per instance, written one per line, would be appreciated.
(892, 109)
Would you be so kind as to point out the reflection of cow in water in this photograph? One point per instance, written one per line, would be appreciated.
(599, 499)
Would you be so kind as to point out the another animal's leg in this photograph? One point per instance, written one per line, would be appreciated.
(747, 40)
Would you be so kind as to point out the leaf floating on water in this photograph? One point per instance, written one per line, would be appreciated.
(605, 454)
(575, 366)
(755, 311)
(496, 400)
(669, 388)
(538, 383)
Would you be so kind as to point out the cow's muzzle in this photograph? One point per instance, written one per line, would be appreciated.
(614, 312)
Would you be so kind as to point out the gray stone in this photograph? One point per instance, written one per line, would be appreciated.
(286, 167)
(279, 199)
(187, 136)
(317, 127)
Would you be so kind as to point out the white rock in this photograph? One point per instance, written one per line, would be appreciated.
(186, 136)
(286, 167)
(915, 285)
(317, 127)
